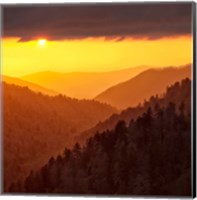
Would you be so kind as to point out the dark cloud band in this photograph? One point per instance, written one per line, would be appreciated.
(57, 22)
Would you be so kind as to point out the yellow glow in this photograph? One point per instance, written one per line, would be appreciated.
(20, 58)
(42, 42)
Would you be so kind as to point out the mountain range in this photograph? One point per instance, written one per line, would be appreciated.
(142, 86)
(150, 155)
(82, 84)
(39, 122)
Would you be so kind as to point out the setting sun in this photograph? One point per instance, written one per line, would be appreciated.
(42, 42)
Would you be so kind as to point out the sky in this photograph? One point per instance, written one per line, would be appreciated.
(104, 37)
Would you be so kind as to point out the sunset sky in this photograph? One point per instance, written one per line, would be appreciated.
(95, 38)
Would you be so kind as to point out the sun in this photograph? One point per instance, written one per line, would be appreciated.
(42, 42)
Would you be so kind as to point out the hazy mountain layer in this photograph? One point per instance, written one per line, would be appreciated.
(142, 86)
(82, 84)
(36, 88)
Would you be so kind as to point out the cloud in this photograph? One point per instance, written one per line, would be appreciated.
(137, 20)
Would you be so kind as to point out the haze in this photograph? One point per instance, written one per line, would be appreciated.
(92, 55)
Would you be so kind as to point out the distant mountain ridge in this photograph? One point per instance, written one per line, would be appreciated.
(82, 84)
(142, 86)
(36, 88)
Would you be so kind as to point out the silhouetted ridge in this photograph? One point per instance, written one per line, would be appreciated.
(176, 93)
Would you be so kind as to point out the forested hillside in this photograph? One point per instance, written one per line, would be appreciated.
(36, 126)
(176, 93)
(150, 155)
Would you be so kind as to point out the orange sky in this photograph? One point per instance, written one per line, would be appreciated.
(20, 58)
